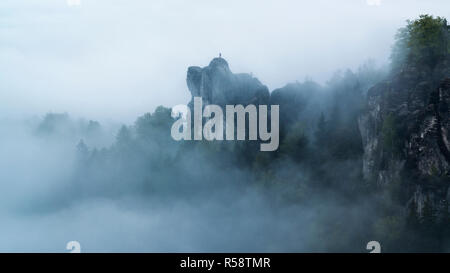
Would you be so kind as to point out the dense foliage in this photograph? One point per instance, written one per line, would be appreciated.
(424, 41)
(319, 157)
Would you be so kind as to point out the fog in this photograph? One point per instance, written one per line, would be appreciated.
(42, 208)
(127, 57)
(67, 177)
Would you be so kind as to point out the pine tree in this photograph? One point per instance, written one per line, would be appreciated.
(82, 149)
(321, 132)
(123, 138)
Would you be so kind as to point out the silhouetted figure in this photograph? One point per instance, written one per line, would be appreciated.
(220, 55)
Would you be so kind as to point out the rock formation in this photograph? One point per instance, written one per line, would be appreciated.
(216, 84)
(405, 131)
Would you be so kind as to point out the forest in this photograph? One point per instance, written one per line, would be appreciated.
(346, 171)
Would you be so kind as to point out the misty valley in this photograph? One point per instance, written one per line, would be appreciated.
(363, 157)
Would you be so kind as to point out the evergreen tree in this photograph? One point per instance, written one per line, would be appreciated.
(82, 149)
(424, 41)
(123, 138)
(321, 131)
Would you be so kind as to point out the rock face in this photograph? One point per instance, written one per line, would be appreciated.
(405, 132)
(216, 84)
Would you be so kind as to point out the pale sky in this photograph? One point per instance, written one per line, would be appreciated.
(117, 59)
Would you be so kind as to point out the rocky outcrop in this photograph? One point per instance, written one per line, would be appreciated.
(405, 132)
(216, 84)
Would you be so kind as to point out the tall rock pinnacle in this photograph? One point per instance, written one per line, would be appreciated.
(216, 84)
